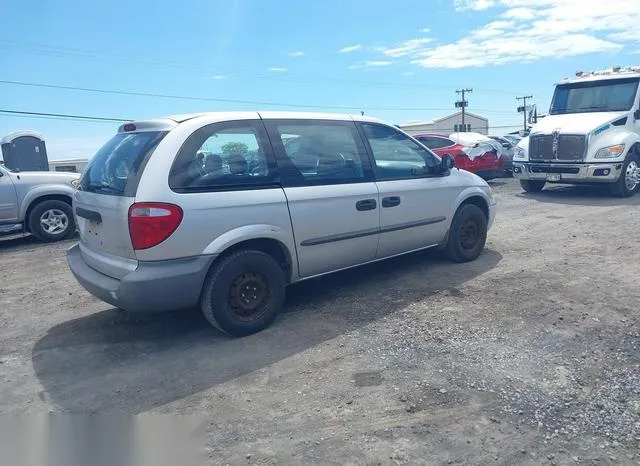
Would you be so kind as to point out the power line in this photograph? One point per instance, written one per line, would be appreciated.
(61, 116)
(65, 116)
(92, 55)
(210, 99)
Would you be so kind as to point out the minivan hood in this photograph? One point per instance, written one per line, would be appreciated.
(575, 123)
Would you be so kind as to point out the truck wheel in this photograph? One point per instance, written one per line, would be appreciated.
(243, 294)
(629, 181)
(51, 221)
(467, 235)
(532, 186)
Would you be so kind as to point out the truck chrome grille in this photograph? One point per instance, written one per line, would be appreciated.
(570, 147)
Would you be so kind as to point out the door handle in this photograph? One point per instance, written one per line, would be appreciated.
(391, 201)
(367, 204)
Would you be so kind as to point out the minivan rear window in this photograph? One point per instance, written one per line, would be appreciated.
(115, 169)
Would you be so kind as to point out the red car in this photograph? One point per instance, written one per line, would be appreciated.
(476, 156)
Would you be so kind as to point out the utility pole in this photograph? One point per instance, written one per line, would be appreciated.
(462, 104)
(523, 108)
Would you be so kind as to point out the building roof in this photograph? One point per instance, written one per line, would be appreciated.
(66, 161)
(439, 119)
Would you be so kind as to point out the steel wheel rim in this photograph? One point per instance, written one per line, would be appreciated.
(632, 175)
(469, 234)
(54, 221)
(248, 296)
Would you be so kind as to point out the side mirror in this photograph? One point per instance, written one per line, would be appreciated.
(636, 114)
(447, 162)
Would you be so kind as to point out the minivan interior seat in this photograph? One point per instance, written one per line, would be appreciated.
(237, 164)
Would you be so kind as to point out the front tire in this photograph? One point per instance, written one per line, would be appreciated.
(629, 182)
(243, 293)
(467, 235)
(51, 221)
(532, 186)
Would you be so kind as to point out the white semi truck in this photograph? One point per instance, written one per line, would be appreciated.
(591, 134)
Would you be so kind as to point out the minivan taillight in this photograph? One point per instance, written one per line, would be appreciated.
(150, 223)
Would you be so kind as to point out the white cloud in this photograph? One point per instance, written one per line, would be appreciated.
(405, 48)
(626, 36)
(408, 73)
(350, 48)
(521, 31)
(218, 77)
(520, 13)
(506, 50)
(276, 69)
(476, 5)
(369, 64)
(425, 30)
(296, 54)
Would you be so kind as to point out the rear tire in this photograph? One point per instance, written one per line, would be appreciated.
(51, 221)
(628, 175)
(243, 293)
(532, 186)
(467, 235)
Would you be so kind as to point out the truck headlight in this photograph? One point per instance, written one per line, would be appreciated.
(518, 153)
(610, 152)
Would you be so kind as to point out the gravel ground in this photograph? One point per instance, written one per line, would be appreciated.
(529, 355)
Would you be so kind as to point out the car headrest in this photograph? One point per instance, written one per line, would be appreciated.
(237, 164)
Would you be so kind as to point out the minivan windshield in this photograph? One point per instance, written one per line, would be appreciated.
(118, 162)
(613, 95)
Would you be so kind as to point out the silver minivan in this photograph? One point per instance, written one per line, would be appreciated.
(224, 210)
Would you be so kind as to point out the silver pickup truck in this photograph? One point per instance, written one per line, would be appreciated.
(37, 203)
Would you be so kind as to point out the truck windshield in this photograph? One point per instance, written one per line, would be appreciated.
(112, 170)
(613, 95)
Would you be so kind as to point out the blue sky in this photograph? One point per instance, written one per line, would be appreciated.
(398, 60)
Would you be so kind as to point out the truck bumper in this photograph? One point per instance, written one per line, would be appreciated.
(151, 287)
(568, 172)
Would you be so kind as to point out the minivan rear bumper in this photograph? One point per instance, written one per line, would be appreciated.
(153, 287)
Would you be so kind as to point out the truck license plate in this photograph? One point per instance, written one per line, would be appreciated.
(553, 177)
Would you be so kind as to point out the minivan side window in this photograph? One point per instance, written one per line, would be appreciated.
(397, 156)
(224, 156)
(319, 152)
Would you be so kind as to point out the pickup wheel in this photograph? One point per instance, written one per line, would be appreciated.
(532, 186)
(467, 235)
(629, 182)
(243, 293)
(51, 221)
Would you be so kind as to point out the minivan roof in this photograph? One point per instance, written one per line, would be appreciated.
(270, 114)
(170, 122)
